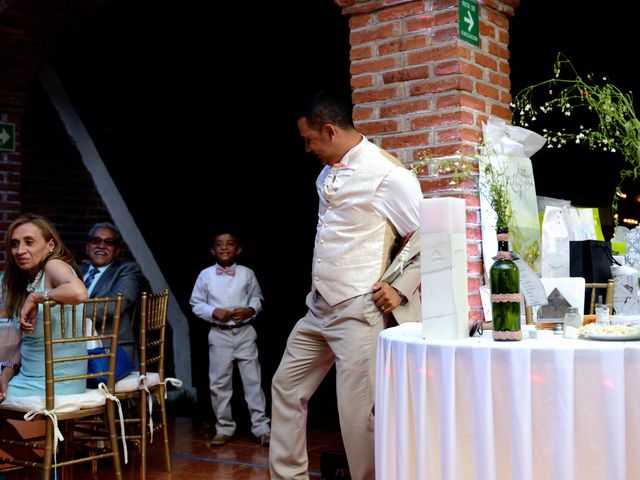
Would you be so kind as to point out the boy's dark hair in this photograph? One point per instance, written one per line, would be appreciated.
(222, 231)
(323, 107)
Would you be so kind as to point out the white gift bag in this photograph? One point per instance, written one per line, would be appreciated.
(556, 235)
(626, 295)
(633, 248)
(585, 224)
(508, 149)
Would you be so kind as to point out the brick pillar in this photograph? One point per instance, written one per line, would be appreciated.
(419, 89)
(11, 109)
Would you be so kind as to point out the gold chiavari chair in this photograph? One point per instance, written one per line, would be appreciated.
(67, 329)
(597, 288)
(148, 386)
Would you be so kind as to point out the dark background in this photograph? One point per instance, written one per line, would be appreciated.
(598, 38)
(195, 125)
(191, 105)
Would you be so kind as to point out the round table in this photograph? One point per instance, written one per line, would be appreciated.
(551, 408)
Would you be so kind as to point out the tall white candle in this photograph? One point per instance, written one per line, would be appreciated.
(445, 304)
(443, 215)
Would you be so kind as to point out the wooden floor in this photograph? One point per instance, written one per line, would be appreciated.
(192, 458)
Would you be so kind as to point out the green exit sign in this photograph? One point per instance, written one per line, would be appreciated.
(468, 21)
(7, 137)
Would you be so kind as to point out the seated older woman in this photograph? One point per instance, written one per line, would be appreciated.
(39, 267)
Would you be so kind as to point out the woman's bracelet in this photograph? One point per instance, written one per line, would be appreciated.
(9, 364)
(45, 294)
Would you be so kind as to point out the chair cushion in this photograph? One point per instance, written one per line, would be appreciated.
(63, 403)
(130, 383)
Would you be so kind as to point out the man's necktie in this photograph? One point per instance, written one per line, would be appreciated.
(231, 271)
(92, 273)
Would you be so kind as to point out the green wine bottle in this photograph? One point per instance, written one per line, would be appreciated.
(505, 292)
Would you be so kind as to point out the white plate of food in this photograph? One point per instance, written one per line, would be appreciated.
(594, 331)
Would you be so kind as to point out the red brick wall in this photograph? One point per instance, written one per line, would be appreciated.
(55, 182)
(30, 33)
(418, 88)
(46, 176)
(11, 108)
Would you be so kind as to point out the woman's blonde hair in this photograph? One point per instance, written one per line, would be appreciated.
(15, 280)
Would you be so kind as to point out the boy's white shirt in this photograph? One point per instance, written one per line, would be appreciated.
(213, 291)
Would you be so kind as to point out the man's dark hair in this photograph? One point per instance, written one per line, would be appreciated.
(322, 107)
(110, 226)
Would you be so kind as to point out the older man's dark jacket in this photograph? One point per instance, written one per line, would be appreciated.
(122, 277)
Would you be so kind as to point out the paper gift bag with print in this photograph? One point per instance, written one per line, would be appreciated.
(619, 243)
(556, 235)
(626, 296)
(552, 202)
(585, 223)
(633, 248)
(509, 148)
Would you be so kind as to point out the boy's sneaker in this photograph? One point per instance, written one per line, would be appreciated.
(219, 440)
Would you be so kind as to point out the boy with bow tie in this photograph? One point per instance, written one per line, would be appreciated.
(228, 296)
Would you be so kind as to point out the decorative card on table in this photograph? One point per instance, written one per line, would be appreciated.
(562, 293)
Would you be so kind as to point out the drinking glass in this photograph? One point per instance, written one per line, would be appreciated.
(602, 314)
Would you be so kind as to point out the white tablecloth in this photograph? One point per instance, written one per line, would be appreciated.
(477, 409)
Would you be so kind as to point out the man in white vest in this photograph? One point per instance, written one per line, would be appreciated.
(368, 203)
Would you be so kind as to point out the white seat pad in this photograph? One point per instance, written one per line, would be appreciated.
(131, 382)
(63, 403)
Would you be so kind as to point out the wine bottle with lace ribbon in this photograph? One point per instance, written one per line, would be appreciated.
(505, 292)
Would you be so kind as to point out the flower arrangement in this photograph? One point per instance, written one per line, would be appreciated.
(494, 187)
(616, 128)
(497, 186)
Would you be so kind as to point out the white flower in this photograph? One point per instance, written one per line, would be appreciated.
(403, 256)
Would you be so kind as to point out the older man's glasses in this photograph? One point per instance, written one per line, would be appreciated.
(97, 241)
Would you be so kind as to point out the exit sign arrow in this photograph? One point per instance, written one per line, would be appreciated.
(468, 21)
(7, 137)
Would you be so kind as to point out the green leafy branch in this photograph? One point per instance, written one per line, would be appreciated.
(616, 128)
(494, 187)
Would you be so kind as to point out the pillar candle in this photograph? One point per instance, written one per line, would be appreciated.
(445, 304)
(443, 215)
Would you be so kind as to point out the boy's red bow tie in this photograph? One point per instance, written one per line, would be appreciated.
(231, 271)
